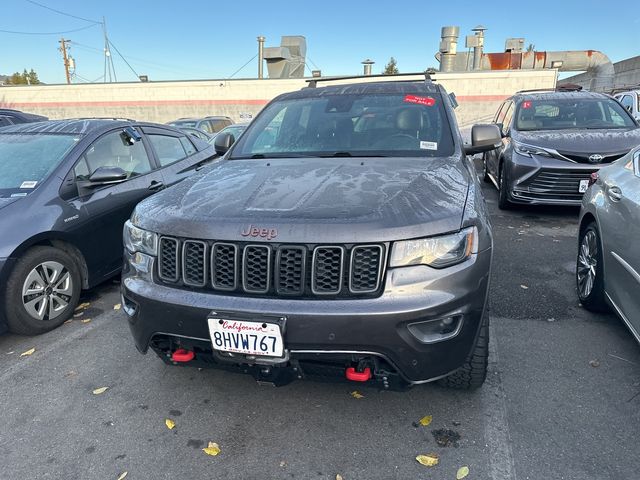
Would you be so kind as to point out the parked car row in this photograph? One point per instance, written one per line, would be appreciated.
(343, 231)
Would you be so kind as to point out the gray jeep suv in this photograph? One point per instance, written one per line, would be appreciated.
(344, 234)
(552, 142)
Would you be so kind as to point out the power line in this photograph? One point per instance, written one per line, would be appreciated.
(124, 59)
(47, 33)
(251, 60)
(62, 13)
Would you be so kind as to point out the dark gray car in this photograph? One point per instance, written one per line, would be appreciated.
(608, 265)
(344, 234)
(552, 142)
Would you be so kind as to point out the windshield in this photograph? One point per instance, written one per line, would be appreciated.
(27, 159)
(570, 113)
(349, 125)
(185, 123)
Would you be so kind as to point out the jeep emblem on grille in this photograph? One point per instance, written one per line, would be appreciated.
(595, 158)
(253, 231)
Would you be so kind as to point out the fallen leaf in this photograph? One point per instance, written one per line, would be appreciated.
(170, 424)
(100, 390)
(68, 321)
(282, 464)
(594, 363)
(425, 421)
(70, 373)
(524, 287)
(462, 472)
(338, 476)
(28, 352)
(429, 460)
(356, 394)
(122, 475)
(10, 353)
(76, 315)
(82, 306)
(212, 449)
(117, 306)
(85, 320)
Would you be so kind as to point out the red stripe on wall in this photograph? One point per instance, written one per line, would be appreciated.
(158, 103)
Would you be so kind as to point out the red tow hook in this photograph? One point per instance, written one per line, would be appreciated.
(356, 376)
(181, 355)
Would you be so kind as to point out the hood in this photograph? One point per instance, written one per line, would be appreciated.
(600, 141)
(8, 201)
(313, 200)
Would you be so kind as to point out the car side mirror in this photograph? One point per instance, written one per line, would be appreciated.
(223, 143)
(106, 175)
(484, 137)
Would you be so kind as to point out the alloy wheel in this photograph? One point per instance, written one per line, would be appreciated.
(587, 262)
(47, 291)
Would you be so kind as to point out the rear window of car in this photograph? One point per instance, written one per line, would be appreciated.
(361, 124)
(571, 113)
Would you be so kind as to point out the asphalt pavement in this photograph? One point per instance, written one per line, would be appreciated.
(562, 399)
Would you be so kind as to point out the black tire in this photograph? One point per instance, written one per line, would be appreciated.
(485, 171)
(594, 299)
(503, 196)
(18, 317)
(473, 372)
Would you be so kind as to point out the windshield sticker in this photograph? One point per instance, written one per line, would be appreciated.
(428, 145)
(23, 194)
(29, 184)
(526, 104)
(428, 101)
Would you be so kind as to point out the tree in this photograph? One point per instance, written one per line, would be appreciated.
(24, 78)
(391, 68)
(531, 47)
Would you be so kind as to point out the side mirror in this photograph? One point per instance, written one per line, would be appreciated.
(483, 139)
(223, 143)
(106, 175)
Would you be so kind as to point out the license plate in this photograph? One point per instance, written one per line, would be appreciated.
(248, 338)
(584, 184)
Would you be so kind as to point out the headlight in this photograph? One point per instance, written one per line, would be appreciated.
(437, 252)
(138, 240)
(529, 150)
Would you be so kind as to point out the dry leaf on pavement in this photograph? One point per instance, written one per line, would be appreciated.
(356, 394)
(85, 320)
(462, 472)
(212, 449)
(429, 460)
(82, 306)
(338, 476)
(28, 352)
(76, 315)
(524, 287)
(426, 420)
(100, 390)
(122, 475)
(170, 424)
(117, 306)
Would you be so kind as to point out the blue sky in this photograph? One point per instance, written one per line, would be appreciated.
(212, 39)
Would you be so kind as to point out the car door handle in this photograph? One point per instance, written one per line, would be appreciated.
(156, 185)
(615, 194)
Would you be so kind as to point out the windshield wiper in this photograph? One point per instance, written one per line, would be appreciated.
(349, 154)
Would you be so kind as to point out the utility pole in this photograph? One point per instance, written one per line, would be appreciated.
(65, 58)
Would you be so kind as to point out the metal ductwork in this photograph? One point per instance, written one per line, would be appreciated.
(592, 61)
(287, 60)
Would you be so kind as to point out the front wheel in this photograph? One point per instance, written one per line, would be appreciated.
(473, 372)
(42, 291)
(485, 170)
(589, 271)
(503, 186)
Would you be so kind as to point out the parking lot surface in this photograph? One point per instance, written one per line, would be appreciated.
(562, 399)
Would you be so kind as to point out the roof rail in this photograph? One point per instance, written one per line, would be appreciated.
(119, 119)
(217, 116)
(559, 88)
(427, 77)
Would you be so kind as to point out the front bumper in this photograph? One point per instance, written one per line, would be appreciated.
(332, 329)
(546, 181)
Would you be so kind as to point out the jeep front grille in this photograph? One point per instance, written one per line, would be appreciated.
(275, 270)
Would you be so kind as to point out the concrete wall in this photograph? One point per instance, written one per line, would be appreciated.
(479, 95)
(627, 75)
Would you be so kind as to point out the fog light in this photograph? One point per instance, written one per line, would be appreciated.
(129, 306)
(438, 330)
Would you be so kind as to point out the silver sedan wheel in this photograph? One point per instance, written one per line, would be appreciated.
(587, 263)
(47, 291)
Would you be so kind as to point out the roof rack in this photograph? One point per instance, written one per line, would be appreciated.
(217, 116)
(119, 119)
(569, 87)
(427, 77)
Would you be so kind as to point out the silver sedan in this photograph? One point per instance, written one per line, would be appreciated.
(608, 264)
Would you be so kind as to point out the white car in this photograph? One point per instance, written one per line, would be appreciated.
(631, 101)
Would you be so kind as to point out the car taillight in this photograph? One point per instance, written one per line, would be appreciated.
(593, 178)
